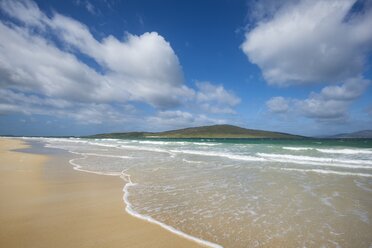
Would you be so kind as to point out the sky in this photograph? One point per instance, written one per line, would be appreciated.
(82, 67)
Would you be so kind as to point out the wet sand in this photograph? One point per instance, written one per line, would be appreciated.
(48, 204)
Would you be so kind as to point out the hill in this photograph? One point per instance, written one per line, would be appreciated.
(215, 131)
(364, 134)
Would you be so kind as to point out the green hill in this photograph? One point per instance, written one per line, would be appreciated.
(215, 131)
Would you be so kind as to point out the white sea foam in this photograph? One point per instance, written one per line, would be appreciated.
(220, 154)
(69, 140)
(79, 168)
(297, 148)
(347, 163)
(191, 161)
(346, 151)
(204, 144)
(320, 171)
(51, 146)
(162, 142)
(152, 142)
(100, 155)
(104, 144)
(134, 213)
(144, 148)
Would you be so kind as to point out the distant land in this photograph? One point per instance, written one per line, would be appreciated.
(366, 134)
(215, 131)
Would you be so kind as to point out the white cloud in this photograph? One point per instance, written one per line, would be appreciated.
(145, 57)
(215, 98)
(263, 10)
(6, 108)
(331, 103)
(29, 63)
(40, 75)
(350, 90)
(297, 42)
(91, 8)
(21, 99)
(138, 68)
(83, 113)
(25, 11)
(164, 120)
(320, 108)
(310, 41)
(277, 104)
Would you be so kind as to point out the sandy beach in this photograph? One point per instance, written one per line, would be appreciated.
(46, 204)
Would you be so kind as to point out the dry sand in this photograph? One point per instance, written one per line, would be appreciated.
(46, 204)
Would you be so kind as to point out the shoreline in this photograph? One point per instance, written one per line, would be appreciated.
(132, 212)
(49, 205)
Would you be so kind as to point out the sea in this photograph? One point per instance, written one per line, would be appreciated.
(240, 192)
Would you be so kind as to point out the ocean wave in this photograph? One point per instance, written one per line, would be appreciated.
(345, 151)
(297, 148)
(145, 148)
(162, 142)
(205, 144)
(320, 171)
(106, 139)
(104, 144)
(100, 155)
(67, 140)
(219, 154)
(346, 163)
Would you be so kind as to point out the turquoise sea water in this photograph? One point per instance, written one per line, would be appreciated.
(242, 193)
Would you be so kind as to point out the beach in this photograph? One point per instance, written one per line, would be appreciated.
(77, 192)
(48, 204)
(240, 192)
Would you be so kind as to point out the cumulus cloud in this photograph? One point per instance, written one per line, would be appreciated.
(310, 41)
(277, 104)
(350, 90)
(322, 108)
(52, 65)
(331, 103)
(298, 42)
(215, 98)
(144, 66)
(137, 68)
(29, 63)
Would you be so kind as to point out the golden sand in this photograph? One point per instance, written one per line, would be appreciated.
(49, 205)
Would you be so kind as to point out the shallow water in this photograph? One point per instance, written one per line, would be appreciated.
(239, 193)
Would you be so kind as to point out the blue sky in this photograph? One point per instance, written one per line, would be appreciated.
(82, 66)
